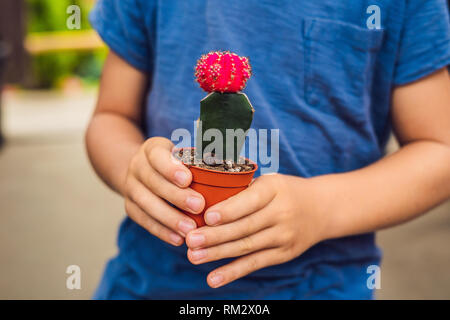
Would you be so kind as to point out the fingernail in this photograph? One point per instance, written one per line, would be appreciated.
(175, 238)
(212, 218)
(196, 240)
(216, 279)
(181, 177)
(198, 254)
(186, 226)
(194, 203)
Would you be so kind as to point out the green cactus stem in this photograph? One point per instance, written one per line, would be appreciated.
(231, 114)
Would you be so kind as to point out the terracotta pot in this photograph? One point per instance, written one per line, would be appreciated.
(216, 186)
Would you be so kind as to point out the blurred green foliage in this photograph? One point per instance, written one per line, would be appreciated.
(50, 69)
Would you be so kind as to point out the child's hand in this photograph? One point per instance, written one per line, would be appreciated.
(273, 221)
(154, 176)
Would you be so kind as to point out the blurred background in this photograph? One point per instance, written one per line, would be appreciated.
(54, 212)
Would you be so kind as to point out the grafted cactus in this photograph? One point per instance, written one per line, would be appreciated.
(225, 109)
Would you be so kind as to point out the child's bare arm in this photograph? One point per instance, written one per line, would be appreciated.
(278, 217)
(410, 181)
(113, 135)
(140, 170)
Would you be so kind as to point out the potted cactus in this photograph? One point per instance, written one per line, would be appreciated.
(218, 171)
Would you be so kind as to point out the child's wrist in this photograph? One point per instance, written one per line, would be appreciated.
(326, 203)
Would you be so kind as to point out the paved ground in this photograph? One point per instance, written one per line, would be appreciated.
(55, 212)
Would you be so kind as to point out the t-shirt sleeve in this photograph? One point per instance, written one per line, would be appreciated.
(123, 27)
(425, 40)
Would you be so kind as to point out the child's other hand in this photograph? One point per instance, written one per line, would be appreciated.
(273, 221)
(154, 177)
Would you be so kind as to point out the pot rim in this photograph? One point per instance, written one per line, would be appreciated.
(255, 165)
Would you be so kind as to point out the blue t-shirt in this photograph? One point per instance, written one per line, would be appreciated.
(320, 75)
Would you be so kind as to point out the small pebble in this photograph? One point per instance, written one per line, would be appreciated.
(209, 161)
(229, 164)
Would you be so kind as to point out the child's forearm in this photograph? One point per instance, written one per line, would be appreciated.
(393, 190)
(111, 142)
